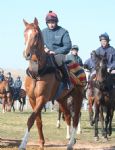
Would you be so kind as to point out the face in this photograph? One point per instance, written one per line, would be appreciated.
(74, 52)
(31, 37)
(104, 43)
(51, 25)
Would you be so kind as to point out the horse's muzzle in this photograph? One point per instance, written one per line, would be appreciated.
(27, 55)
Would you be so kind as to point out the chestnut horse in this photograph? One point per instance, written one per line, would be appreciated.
(41, 85)
(5, 95)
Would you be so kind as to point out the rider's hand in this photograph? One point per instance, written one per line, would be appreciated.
(46, 50)
(51, 52)
(108, 69)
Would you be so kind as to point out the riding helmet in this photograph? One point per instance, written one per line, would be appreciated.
(104, 36)
(51, 16)
(75, 47)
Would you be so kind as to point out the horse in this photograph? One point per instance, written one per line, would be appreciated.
(5, 95)
(21, 98)
(41, 84)
(103, 101)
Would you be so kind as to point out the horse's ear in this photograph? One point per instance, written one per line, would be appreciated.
(36, 21)
(25, 22)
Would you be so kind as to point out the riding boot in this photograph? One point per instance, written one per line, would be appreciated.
(66, 77)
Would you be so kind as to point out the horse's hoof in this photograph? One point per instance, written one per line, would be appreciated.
(21, 149)
(69, 147)
(96, 138)
(74, 140)
(105, 139)
(58, 126)
(41, 148)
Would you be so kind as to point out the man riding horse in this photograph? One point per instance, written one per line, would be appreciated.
(105, 49)
(1, 75)
(57, 43)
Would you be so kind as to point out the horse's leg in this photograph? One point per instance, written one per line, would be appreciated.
(102, 120)
(39, 126)
(90, 99)
(13, 105)
(3, 104)
(23, 103)
(9, 103)
(67, 115)
(59, 118)
(37, 106)
(76, 114)
(20, 108)
(96, 121)
(79, 125)
(110, 121)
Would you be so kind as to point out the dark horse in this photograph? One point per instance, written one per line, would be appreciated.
(21, 98)
(5, 95)
(103, 97)
(41, 85)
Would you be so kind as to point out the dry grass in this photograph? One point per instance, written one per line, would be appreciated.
(13, 125)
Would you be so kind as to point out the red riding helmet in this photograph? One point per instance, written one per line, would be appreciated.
(51, 16)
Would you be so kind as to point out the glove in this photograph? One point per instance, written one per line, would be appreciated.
(86, 66)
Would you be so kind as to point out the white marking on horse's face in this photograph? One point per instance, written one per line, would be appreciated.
(101, 64)
(28, 39)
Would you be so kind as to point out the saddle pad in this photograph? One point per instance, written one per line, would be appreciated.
(77, 74)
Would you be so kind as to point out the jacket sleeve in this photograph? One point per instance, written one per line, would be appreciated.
(66, 44)
(87, 64)
(81, 63)
(112, 65)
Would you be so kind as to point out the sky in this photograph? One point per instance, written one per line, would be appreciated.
(84, 19)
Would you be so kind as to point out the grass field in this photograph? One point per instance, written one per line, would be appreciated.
(13, 125)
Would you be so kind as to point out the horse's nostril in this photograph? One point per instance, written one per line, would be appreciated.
(28, 55)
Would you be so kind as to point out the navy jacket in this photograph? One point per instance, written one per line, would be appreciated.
(17, 84)
(57, 40)
(90, 64)
(110, 52)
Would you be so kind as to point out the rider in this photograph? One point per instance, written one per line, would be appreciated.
(107, 49)
(90, 64)
(17, 86)
(10, 79)
(1, 75)
(73, 55)
(57, 43)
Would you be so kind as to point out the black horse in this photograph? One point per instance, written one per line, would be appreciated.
(21, 97)
(103, 97)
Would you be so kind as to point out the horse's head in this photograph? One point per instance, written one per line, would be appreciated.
(101, 67)
(33, 41)
(101, 61)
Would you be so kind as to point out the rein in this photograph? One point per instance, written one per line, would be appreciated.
(48, 68)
